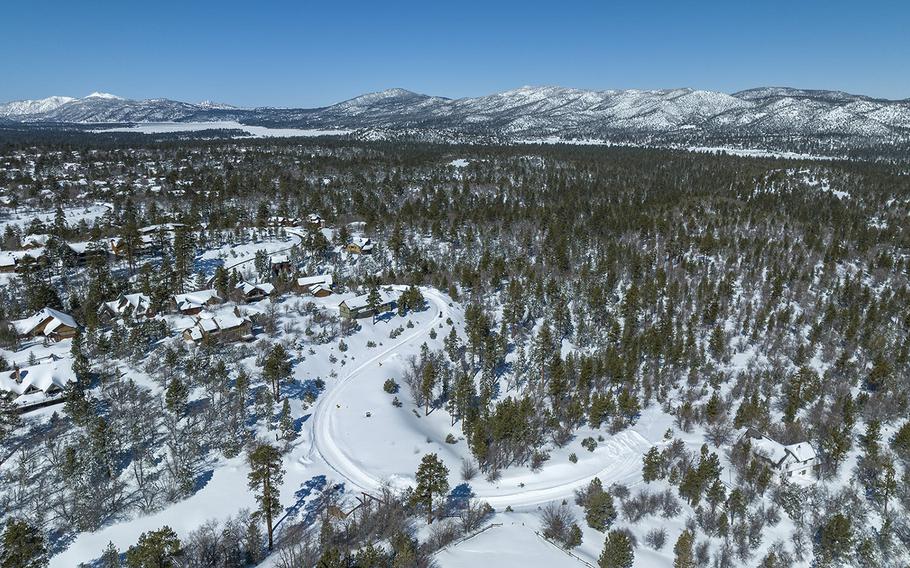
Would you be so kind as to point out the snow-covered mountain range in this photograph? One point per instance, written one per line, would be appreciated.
(532, 113)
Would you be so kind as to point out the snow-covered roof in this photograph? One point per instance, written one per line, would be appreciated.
(25, 326)
(138, 302)
(42, 377)
(208, 322)
(195, 299)
(35, 240)
(362, 302)
(802, 451)
(774, 451)
(313, 281)
(247, 288)
(79, 248)
(279, 259)
(777, 453)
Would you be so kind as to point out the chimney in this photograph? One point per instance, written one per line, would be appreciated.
(16, 375)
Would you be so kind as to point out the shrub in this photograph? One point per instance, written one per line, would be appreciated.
(450, 439)
(656, 538)
(589, 443)
(538, 458)
(390, 386)
(573, 458)
(468, 469)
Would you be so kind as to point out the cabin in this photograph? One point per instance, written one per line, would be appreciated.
(318, 286)
(138, 305)
(7, 263)
(314, 221)
(278, 221)
(254, 292)
(49, 378)
(81, 253)
(35, 241)
(793, 461)
(280, 264)
(359, 307)
(48, 322)
(192, 303)
(360, 245)
(221, 327)
(22, 260)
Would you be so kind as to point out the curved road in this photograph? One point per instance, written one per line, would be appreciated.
(622, 452)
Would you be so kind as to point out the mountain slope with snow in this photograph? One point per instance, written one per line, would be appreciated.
(667, 115)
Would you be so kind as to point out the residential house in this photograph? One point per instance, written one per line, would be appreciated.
(35, 241)
(138, 305)
(49, 378)
(319, 286)
(277, 221)
(360, 245)
(22, 260)
(7, 262)
(797, 461)
(222, 327)
(81, 253)
(48, 322)
(359, 307)
(254, 292)
(315, 221)
(280, 264)
(191, 303)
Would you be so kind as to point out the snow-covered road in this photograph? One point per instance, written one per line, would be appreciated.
(619, 456)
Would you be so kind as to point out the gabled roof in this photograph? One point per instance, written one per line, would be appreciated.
(247, 287)
(42, 377)
(195, 299)
(361, 302)
(208, 322)
(279, 259)
(312, 281)
(777, 453)
(27, 325)
(140, 303)
(802, 451)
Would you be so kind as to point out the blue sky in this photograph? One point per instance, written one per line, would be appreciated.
(315, 53)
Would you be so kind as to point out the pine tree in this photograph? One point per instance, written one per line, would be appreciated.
(155, 549)
(617, 552)
(9, 414)
(265, 477)
(835, 537)
(428, 385)
(373, 302)
(599, 509)
(23, 546)
(110, 558)
(432, 481)
(176, 396)
(286, 423)
(276, 369)
(652, 465)
(684, 557)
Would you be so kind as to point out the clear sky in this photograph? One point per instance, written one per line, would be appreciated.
(302, 53)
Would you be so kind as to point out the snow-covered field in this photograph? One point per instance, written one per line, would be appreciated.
(254, 131)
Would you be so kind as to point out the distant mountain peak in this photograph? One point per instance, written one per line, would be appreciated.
(99, 95)
(216, 106)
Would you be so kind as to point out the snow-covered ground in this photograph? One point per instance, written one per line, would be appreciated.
(254, 131)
